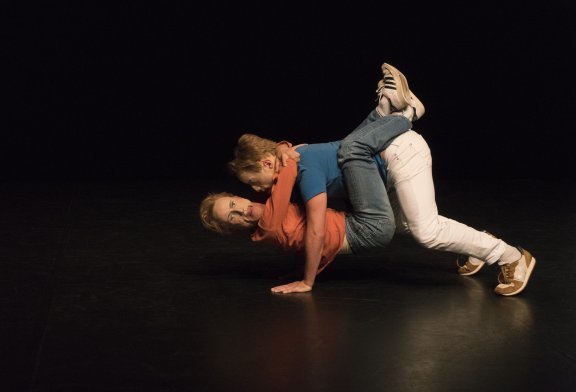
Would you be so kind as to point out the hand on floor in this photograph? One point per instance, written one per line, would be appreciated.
(294, 287)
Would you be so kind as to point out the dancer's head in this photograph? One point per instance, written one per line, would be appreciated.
(254, 162)
(224, 213)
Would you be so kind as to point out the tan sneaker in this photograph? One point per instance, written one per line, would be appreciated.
(471, 267)
(414, 111)
(514, 276)
(417, 107)
(394, 87)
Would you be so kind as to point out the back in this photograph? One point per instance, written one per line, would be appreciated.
(318, 171)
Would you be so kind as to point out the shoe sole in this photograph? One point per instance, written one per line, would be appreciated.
(417, 105)
(473, 272)
(526, 279)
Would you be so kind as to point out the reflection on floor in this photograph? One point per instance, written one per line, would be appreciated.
(114, 286)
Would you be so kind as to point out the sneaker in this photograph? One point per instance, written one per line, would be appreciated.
(384, 107)
(514, 276)
(394, 87)
(414, 111)
(417, 107)
(471, 267)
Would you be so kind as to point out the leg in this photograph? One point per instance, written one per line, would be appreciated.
(399, 218)
(410, 173)
(371, 224)
(372, 116)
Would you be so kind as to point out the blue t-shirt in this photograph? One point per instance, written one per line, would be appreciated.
(318, 171)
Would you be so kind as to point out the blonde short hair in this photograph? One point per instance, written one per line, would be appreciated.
(207, 214)
(248, 152)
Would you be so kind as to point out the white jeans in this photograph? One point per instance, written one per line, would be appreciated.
(411, 192)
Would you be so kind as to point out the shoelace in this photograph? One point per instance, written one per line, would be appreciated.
(504, 274)
(386, 83)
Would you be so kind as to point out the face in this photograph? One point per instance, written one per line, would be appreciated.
(237, 212)
(260, 181)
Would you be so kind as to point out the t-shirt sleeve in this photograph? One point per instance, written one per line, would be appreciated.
(311, 183)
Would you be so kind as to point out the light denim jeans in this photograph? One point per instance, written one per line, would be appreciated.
(371, 224)
(411, 190)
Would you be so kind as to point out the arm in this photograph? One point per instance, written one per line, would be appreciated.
(285, 151)
(313, 242)
(279, 201)
(315, 235)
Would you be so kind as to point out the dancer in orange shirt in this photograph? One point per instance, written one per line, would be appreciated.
(278, 222)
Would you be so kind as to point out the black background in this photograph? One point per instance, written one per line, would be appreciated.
(157, 90)
(117, 119)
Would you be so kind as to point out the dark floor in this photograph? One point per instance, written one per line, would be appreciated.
(114, 286)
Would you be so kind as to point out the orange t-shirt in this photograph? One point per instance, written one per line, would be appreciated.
(284, 224)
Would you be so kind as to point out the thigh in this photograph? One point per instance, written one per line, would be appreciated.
(417, 201)
(406, 156)
(409, 165)
(399, 218)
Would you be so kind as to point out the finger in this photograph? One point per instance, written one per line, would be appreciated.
(287, 289)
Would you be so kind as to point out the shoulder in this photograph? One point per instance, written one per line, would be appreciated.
(318, 147)
(289, 170)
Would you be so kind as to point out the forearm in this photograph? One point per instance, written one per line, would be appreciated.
(314, 243)
(314, 236)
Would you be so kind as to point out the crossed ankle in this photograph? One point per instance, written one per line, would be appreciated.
(409, 112)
